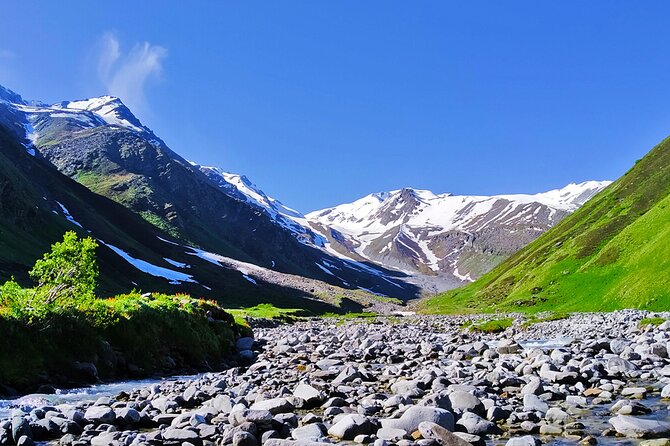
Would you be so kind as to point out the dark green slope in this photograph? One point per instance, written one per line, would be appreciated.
(612, 253)
(31, 220)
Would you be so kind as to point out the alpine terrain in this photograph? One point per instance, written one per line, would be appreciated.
(392, 243)
(611, 253)
(162, 224)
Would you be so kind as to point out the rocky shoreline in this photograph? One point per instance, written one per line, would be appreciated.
(408, 381)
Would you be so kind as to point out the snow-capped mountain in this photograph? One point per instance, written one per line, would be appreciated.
(102, 145)
(450, 236)
(440, 240)
(239, 186)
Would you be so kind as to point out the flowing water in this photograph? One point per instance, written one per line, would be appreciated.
(73, 396)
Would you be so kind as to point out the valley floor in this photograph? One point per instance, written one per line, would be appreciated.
(416, 380)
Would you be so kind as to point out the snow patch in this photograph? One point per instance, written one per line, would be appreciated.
(68, 216)
(177, 264)
(175, 277)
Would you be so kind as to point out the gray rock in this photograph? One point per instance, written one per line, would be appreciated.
(527, 440)
(350, 426)
(415, 415)
(616, 365)
(462, 401)
(100, 415)
(310, 432)
(556, 415)
(508, 346)
(20, 427)
(274, 405)
(280, 442)
(474, 424)
(391, 434)
(128, 415)
(638, 427)
(311, 396)
(244, 439)
(439, 434)
(533, 403)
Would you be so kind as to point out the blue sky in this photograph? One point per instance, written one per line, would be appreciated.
(321, 103)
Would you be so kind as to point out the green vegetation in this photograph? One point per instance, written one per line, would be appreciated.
(264, 311)
(545, 317)
(492, 326)
(609, 254)
(47, 328)
(651, 321)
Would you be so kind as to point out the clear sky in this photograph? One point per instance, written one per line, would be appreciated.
(320, 103)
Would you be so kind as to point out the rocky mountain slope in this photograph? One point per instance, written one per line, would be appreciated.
(454, 237)
(441, 241)
(102, 145)
(611, 253)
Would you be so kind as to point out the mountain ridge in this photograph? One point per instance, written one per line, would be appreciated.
(609, 254)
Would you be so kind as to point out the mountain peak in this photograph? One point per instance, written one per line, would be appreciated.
(110, 108)
(7, 95)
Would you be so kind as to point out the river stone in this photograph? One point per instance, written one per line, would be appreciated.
(507, 347)
(25, 441)
(181, 435)
(656, 442)
(474, 424)
(20, 427)
(104, 439)
(404, 386)
(244, 439)
(274, 405)
(252, 416)
(310, 432)
(462, 401)
(311, 396)
(391, 434)
(128, 415)
(526, 440)
(100, 415)
(415, 415)
(639, 428)
(350, 426)
(616, 365)
(280, 442)
(556, 415)
(533, 403)
(437, 433)
(534, 387)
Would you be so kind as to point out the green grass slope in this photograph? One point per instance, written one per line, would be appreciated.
(612, 253)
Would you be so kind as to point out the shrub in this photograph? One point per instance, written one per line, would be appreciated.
(66, 276)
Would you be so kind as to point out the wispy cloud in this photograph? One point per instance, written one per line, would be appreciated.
(126, 75)
(6, 54)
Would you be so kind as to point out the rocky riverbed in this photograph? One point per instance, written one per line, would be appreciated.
(424, 381)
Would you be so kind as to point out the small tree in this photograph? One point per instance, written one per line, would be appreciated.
(66, 275)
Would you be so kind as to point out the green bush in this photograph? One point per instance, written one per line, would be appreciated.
(45, 329)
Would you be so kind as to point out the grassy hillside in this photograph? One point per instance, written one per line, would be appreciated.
(612, 253)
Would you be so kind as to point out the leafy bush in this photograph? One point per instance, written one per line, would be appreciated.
(66, 276)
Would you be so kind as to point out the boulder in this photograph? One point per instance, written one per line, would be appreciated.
(350, 426)
(415, 415)
(639, 428)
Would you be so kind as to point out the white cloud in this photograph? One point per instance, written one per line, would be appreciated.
(126, 75)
